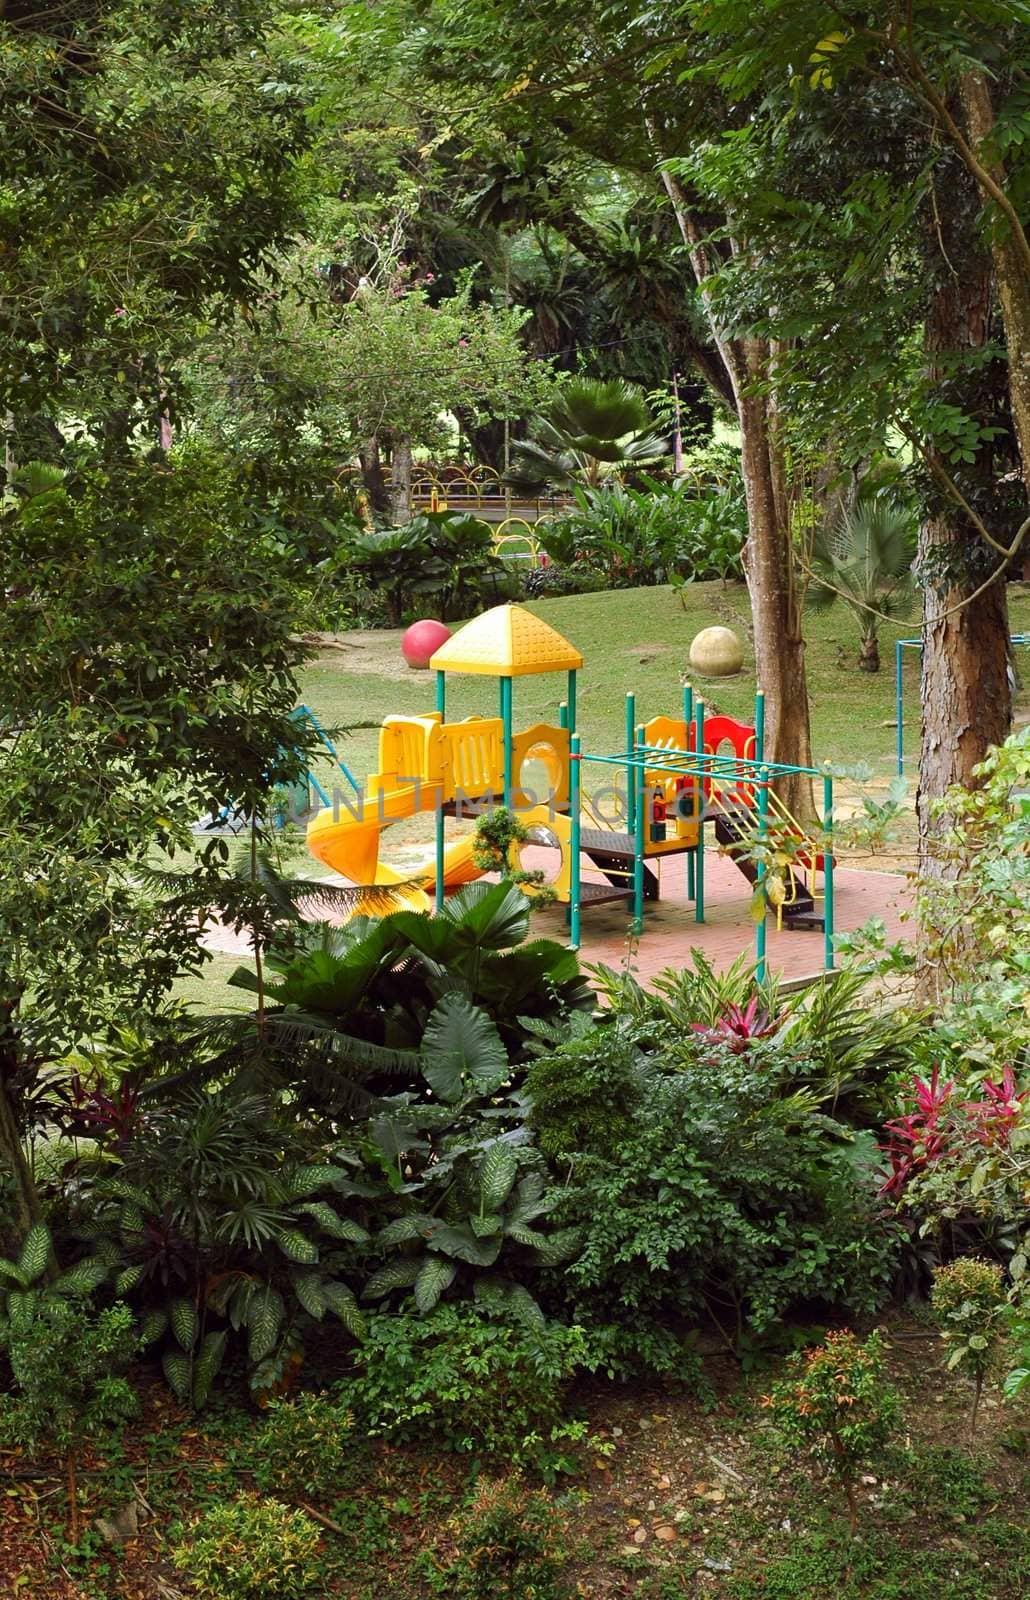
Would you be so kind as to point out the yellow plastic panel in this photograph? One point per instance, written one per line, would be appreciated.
(507, 642)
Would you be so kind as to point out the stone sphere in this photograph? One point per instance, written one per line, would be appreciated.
(421, 642)
(716, 653)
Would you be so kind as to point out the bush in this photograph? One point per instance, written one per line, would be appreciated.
(663, 533)
(582, 1096)
(441, 561)
(836, 1404)
(508, 1544)
(304, 1446)
(729, 1199)
(484, 1386)
(251, 1548)
(969, 1306)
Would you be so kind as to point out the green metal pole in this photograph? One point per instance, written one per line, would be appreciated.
(688, 717)
(640, 810)
(575, 763)
(763, 817)
(506, 736)
(563, 714)
(828, 871)
(759, 725)
(441, 694)
(571, 695)
(699, 871)
(631, 786)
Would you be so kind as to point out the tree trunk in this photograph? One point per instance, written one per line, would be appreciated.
(768, 555)
(373, 478)
(1011, 266)
(966, 700)
(869, 655)
(400, 482)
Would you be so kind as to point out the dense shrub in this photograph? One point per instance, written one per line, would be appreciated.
(250, 1548)
(508, 1543)
(661, 533)
(304, 1447)
(481, 1384)
(583, 1096)
(729, 1199)
(440, 563)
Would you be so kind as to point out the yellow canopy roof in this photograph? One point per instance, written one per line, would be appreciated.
(507, 642)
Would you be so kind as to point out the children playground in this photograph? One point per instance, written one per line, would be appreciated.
(675, 839)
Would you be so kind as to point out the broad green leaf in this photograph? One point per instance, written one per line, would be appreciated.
(35, 1252)
(83, 1278)
(462, 1243)
(152, 1326)
(185, 1322)
(177, 1371)
(296, 1246)
(393, 1275)
(205, 1368)
(335, 1226)
(307, 1286)
(462, 1050)
(433, 1278)
(340, 1299)
(264, 1320)
(403, 1229)
(497, 1174)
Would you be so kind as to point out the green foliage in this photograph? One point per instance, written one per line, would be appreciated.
(508, 1543)
(866, 561)
(379, 982)
(212, 1215)
(732, 1198)
(661, 533)
(498, 833)
(480, 1383)
(974, 914)
(304, 1447)
(67, 1359)
(836, 1404)
(969, 1305)
(250, 1547)
(440, 562)
(584, 1095)
(592, 431)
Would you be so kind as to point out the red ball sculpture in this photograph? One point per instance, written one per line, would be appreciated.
(421, 642)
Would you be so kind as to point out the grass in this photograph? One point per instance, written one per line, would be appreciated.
(635, 639)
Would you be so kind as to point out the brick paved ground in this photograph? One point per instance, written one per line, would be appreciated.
(670, 931)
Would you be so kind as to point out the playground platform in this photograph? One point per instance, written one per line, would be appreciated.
(670, 932)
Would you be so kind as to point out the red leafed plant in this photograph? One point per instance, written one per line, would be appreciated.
(101, 1113)
(942, 1125)
(740, 1026)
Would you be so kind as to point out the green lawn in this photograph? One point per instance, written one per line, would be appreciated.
(635, 639)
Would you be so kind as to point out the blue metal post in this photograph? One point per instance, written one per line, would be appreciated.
(899, 701)
(640, 811)
(631, 786)
(441, 694)
(763, 815)
(828, 871)
(575, 763)
(699, 871)
(506, 736)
